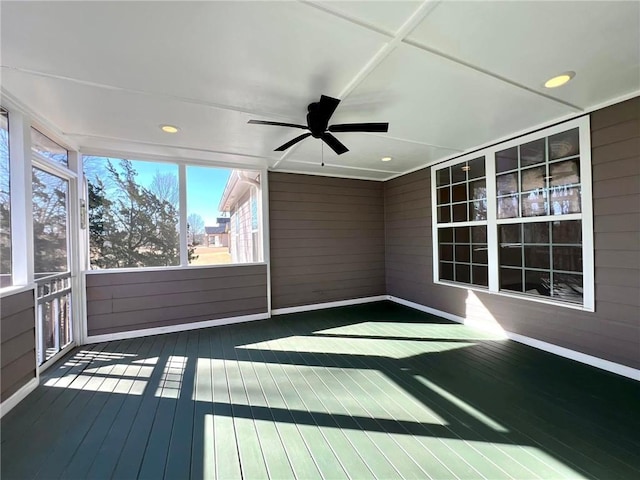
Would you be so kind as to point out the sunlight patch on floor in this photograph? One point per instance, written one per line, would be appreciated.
(356, 346)
(412, 331)
(172, 377)
(462, 405)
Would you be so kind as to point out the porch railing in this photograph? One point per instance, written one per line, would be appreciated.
(54, 314)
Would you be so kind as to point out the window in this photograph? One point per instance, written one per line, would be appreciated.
(5, 203)
(43, 146)
(135, 213)
(516, 219)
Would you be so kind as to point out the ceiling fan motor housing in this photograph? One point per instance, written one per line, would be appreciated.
(316, 122)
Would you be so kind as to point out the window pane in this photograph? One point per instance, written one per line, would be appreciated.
(463, 273)
(480, 276)
(511, 279)
(460, 193)
(209, 226)
(564, 144)
(565, 200)
(49, 223)
(479, 254)
(5, 203)
(446, 252)
(509, 233)
(462, 235)
(446, 271)
(133, 213)
(443, 195)
(564, 173)
(568, 287)
(476, 168)
(511, 255)
(507, 184)
(537, 283)
(445, 235)
(507, 160)
(463, 253)
(534, 203)
(508, 207)
(478, 190)
(460, 212)
(479, 234)
(231, 192)
(536, 232)
(532, 178)
(443, 177)
(536, 257)
(43, 145)
(567, 258)
(458, 173)
(444, 214)
(567, 232)
(532, 153)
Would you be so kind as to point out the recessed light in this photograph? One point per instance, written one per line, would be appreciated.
(169, 129)
(559, 80)
(386, 159)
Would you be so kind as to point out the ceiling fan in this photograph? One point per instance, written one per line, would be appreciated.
(318, 125)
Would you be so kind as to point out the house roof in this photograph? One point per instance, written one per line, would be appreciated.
(216, 230)
(447, 76)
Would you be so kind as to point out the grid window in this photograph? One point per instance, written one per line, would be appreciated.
(531, 238)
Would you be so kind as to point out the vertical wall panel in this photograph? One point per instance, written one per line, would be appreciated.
(18, 342)
(125, 301)
(612, 332)
(327, 239)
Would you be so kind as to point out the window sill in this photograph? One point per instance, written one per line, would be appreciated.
(515, 296)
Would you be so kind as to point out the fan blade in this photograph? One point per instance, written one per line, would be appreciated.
(360, 127)
(277, 124)
(327, 106)
(282, 148)
(334, 143)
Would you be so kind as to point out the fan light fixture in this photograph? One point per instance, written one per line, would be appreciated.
(466, 168)
(169, 129)
(559, 80)
(386, 159)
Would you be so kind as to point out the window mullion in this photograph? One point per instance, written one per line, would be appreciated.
(492, 228)
(21, 199)
(182, 217)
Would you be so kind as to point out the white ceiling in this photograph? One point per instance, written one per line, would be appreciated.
(447, 76)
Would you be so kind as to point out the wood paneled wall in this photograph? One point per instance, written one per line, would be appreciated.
(327, 239)
(612, 332)
(18, 342)
(125, 301)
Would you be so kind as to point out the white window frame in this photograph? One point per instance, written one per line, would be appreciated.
(492, 222)
(182, 164)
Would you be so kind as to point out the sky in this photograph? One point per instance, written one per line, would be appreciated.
(205, 185)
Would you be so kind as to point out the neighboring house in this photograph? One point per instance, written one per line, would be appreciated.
(218, 235)
(241, 198)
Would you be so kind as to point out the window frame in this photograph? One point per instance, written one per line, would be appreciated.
(492, 222)
(182, 164)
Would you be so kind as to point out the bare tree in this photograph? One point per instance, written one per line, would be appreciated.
(165, 187)
(196, 228)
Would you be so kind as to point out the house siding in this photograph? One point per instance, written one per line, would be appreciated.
(242, 247)
(18, 342)
(126, 301)
(326, 238)
(611, 332)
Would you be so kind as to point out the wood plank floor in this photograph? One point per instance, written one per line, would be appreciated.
(371, 391)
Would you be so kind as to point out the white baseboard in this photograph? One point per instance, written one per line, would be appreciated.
(320, 306)
(597, 362)
(17, 397)
(174, 328)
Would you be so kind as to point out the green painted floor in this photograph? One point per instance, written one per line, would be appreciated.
(371, 391)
